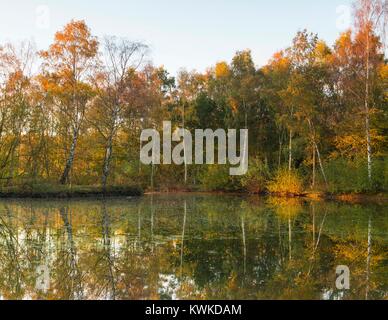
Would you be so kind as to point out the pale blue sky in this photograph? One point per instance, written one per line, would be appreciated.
(191, 34)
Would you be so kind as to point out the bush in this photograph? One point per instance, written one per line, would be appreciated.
(345, 176)
(286, 182)
(380, 176)
(255, 181)
(217, 178)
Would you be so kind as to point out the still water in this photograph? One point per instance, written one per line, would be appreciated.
(191, 247)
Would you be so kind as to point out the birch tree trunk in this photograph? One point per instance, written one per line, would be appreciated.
(109, 145)
(184, 146)
(152, 176)
(107, 160)
(290, 152)
(320, 163)
(316, 149)
(70, 159)
(314, 162)
(290, 145)
(244, 243)
(280, 149)
(367, 121)
(183, 237)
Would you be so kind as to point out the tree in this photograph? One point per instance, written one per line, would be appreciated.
(15, 103)
(358, 83)
(308, 89)
(244, 87)
(114, 85)
(371, 17)
(190, 86)
(67, 65)
(276, 77)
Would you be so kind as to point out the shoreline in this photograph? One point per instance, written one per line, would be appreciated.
(90, 192)
(76, 192)
(318, 196)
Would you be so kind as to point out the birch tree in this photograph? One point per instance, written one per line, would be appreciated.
(67, 67)
(115, 89)
(371, 17)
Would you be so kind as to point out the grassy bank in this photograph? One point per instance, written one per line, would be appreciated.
(45, 191)
(52, 191)
(342, 179)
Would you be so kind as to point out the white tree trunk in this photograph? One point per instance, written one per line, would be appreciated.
(290, 152)
(367, 121)
(184, 146)
(70, 159)
(320, 163)
(107, 160)
(314, 163)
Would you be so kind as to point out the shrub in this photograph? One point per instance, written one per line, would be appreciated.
(286, 182)
(217, 178)
(352, 176)
(381, 174)
(255, 181)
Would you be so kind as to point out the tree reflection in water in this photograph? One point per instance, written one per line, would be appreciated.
(192, 247)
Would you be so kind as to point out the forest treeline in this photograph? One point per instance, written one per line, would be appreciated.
(316, 114)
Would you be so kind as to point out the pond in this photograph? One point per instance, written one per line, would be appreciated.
(191, 246)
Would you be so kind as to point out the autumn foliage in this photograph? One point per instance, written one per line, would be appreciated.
(77, 118)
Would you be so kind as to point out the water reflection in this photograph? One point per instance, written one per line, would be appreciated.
(191, 247)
